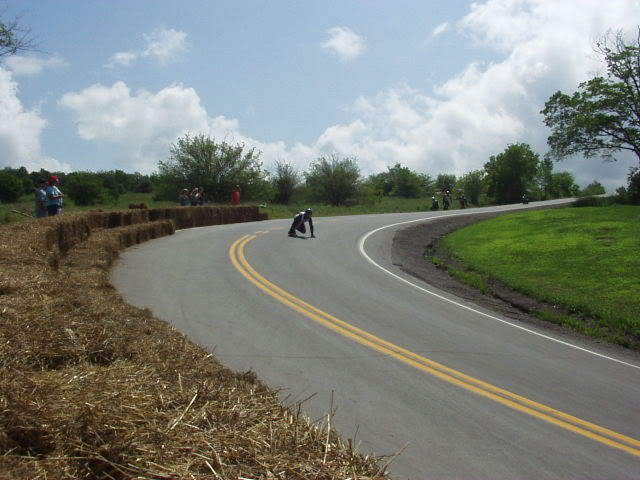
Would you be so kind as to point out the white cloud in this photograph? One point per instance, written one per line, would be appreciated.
(165, 45)
(122, 58)
(32, 65)
(143, 125)
(162, 45)
(545, 46)
(440, 29)
(344, 43)
(542, 46)
(20, 131)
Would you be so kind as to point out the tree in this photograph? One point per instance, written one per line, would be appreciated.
(10, 187)
(42, 174)
(511, 173)
(472, 185)
(594, 188)
(114, 181)
(284, 181)
(23, 175)
(563, 185)
(544, 178)
(407, 183)
(633, 190)
(603, 116)
(333, 180)
(141, 183)
(399, 181)
(380, 183)
(445, 182)
(200, 161)
(14, 38)
(85, 188)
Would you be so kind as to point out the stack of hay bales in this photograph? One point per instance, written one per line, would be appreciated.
(91, 387)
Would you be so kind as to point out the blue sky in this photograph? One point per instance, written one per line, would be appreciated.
(437, 85)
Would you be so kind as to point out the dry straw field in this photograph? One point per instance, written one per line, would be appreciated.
(93, 388)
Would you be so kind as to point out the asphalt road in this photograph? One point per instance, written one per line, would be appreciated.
(459, 391)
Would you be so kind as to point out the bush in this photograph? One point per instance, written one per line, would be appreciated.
(333, 180)
(144, 185)
(11, 187)
(595, 201)
(284, 182)
(633, 189)
(200, 161)
(85, 188)
(594, 188)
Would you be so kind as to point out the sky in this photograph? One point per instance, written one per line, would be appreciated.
(435, 85)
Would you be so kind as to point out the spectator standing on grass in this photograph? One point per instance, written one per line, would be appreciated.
(183, 198)
(41, 198)
(235, 195)
(194, 197)
(446, 200)
(54, 197)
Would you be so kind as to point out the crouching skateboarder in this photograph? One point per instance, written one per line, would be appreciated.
(298, 223)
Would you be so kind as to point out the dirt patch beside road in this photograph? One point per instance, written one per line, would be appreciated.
(411, 244)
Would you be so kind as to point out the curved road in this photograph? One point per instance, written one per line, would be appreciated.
(461, 392)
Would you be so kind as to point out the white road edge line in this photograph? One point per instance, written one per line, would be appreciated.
(368, 258)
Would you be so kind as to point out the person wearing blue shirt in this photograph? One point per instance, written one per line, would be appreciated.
(54, 197)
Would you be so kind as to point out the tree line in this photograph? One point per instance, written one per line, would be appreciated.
(600, 119)
(83, 187)
(218, 167)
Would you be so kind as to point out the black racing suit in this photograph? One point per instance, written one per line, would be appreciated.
(298, 223)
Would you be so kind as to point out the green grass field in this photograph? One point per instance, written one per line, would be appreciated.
(379, 205)
(586, 260)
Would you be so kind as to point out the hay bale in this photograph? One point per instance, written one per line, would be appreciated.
(140, 216)
(91, 387)
(97, 219)
(66, 231)
(115, 219)
(184, 217)
(160, 214)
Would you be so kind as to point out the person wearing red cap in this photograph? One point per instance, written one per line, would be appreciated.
(54, 197)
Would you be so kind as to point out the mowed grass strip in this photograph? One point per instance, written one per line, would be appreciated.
(586, 260)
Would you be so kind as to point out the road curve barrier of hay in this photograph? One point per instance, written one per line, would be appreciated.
(91, 387)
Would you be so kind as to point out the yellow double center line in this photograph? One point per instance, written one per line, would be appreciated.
(504, 397)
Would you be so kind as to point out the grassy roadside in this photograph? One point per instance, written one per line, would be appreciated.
(26, 206)
(583, 260)
(275, 211)
(91, 387)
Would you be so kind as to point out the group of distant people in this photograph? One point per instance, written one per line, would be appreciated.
(196, 196)
(193, 198)
(48, 197)
(48, 202)
(446, 201)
